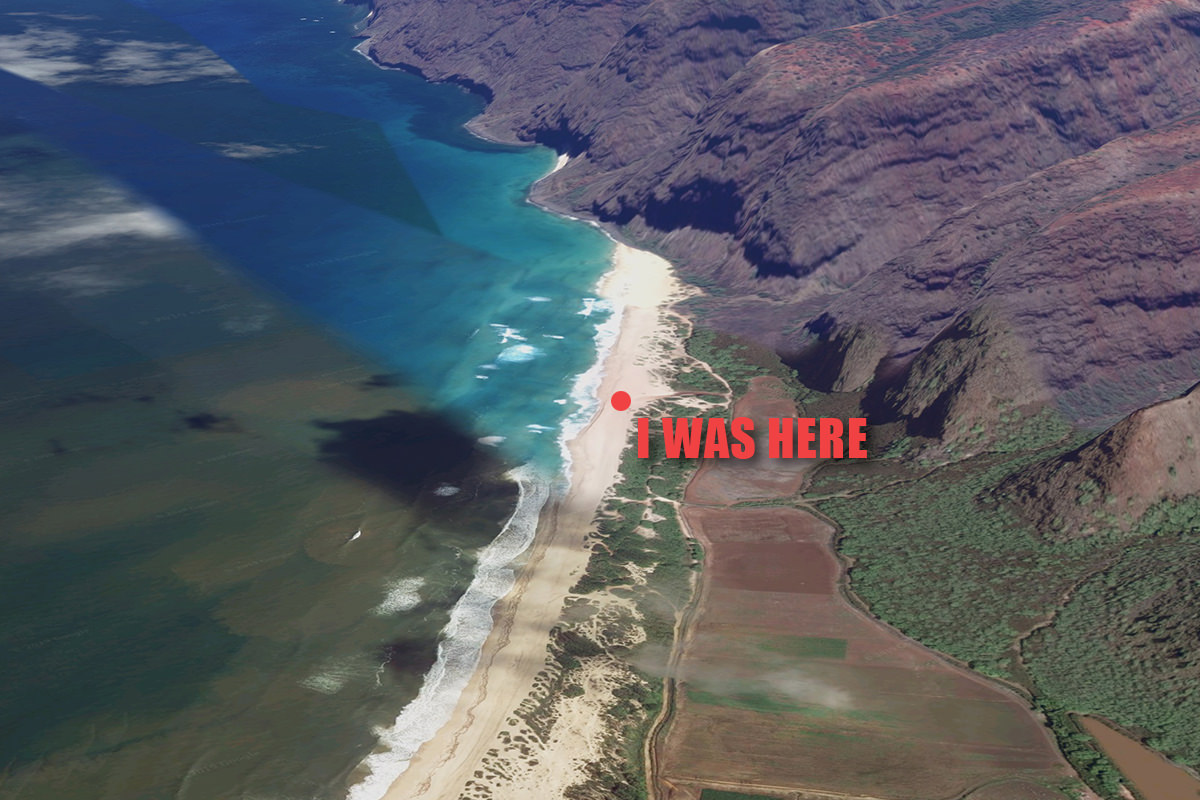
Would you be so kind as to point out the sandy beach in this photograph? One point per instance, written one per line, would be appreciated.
(642, 286)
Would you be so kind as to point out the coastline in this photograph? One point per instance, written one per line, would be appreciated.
(640, 286)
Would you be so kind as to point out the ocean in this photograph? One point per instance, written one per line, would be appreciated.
(287, 360)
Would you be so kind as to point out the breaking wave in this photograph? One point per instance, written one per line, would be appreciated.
(460, 646)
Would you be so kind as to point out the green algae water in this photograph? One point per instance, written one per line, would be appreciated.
(274, 332)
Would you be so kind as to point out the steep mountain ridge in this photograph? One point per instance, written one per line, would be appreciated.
(1110, 482)
(1090, 264)
(662, 72)
(608, 77)
(827, 156)
(849, 180)
(514, 54)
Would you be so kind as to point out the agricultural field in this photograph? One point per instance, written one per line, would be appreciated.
(782, 685)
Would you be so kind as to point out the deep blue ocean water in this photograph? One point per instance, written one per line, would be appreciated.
(272, 324)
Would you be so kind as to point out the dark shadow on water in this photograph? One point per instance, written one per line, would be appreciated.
(404, 451)
(409, 657)
(426, 461)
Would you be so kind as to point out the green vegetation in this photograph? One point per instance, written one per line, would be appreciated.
(1123, 647)
(638, 533)
(942, 556)
(1099, 624)
(989, 21)
(695, 378)
(641, 530)
(761, 701)
(943, 560)
(642, 478)
(720, 794)
(1082, 751)
(737, 361)
(1031, 431)
(804, 646)
(1088, 625)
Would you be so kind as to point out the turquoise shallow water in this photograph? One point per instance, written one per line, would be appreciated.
(259, 300)
(439, 285)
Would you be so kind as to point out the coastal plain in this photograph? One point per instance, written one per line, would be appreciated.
(783, 685)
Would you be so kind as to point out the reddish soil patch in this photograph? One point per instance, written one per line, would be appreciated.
(783, 686)
(772, 567)
(726, 481)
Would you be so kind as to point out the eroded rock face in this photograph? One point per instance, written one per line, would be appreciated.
(615, 78)
(516, 54)
(853, 180)
(828, 156)
(1094, 266)
(661, 74)
(1146, 458)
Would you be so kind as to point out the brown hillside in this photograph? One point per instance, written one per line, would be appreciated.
(853, 180)
(1146, 458)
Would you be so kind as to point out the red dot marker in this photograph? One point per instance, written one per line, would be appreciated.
(620, 400)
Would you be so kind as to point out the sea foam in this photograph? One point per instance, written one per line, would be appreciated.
(518, 353)
(460, 646)
(585, 391)
(402, 595)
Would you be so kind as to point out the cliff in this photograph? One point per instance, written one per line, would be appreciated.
(1091, 265)
(609, 77)
(514, 54)
(851, 180)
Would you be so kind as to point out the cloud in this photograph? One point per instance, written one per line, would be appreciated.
(58, 234)
(806, 690)
(134, 62)
(251, 150)
(57, 57)
(251, 323)
(87, 280)
(44, 213)
(42, 55)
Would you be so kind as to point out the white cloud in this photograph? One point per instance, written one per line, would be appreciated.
(42, 55)
(60, 234)
(88, 280)
(136, 62)
(252, 150)
(55, 57)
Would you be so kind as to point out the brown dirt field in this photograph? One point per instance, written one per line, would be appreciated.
(783, 686)
(727, 481)
(1014, 790)
(773, 567)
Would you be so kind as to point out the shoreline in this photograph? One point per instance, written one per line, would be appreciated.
(641, 286)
